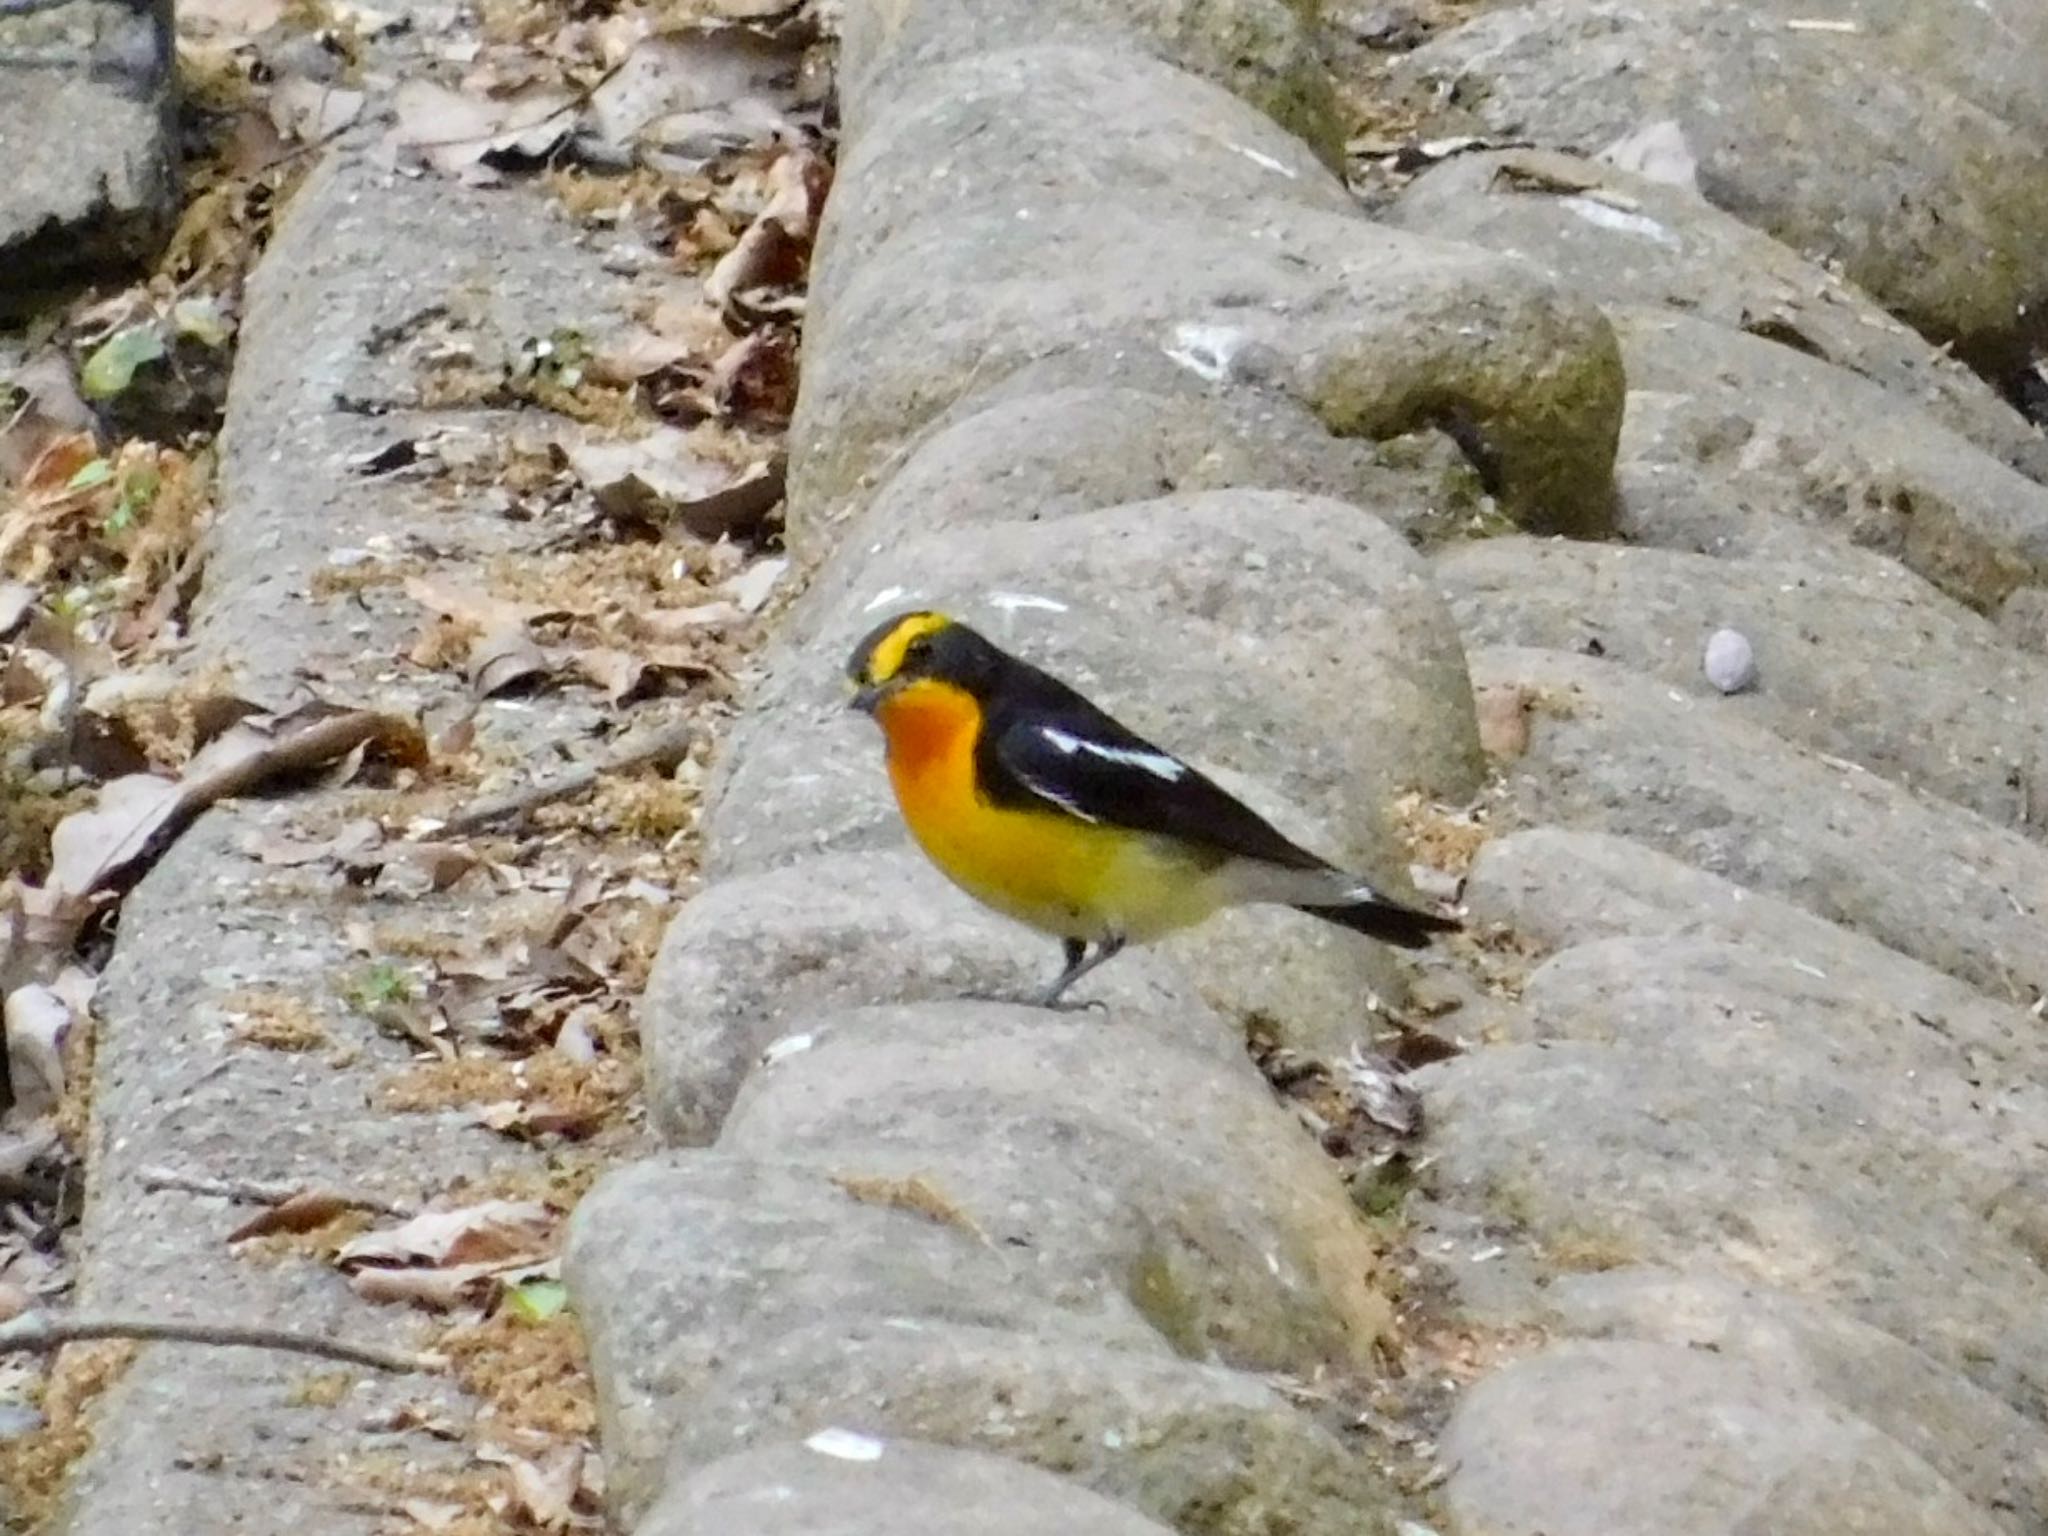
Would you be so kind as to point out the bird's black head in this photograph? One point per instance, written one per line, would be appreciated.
(917, 648)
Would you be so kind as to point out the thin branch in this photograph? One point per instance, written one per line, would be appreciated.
(249, 1192)
(39, 1333)
(664, 746)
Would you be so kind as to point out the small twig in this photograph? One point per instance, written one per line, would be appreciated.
(664, 746)
(249, 1192)
(39, 1333)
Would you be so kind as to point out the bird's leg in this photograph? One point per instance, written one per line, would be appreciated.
(1079, 964)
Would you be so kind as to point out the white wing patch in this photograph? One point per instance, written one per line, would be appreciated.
(1158, 764)
(1045, 791)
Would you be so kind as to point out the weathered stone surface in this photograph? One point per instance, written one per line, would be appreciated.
(683, 1264)
(1987, 1449)
(90, 146)
(1255, 632)
(200, 1439)
(908, 1489)
(1985, 51)
(1625, 240)
(1791, 436)
(1561, 889)
(300, 416)
(1378, 332)
(1857, 657)
(1126, 1156)
(731, 1303)
(1780, 1166)
(1710, 1447)
(1926, 200)
(755, 952)
(1036, 457)
(1263, 50)
(1070, 120)
(1616, 752)
(847, 930)
(1207, 1451)
(1978, 1076)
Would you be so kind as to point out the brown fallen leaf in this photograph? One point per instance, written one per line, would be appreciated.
(51, 410)
(309, 111)
(438, 1290)
(495, 1231)
(307, 1211)
(755, 379)
(37, 1020)
(135, 818)
(543, 1491)
(453, 132)
(504, 658)
(430, 1515)
(775, 249)
(669, 625)
(663, 478)
(351, 845)
(619, 673)
(694, 91)
(472, 605)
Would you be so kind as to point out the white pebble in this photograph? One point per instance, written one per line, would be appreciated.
(845, 1445)
(1730, 663)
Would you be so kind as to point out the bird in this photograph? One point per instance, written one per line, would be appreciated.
(1041, 806)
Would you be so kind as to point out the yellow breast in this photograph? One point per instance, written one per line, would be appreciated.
(1053, 871)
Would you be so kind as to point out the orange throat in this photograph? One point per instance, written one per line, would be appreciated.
(931, 729)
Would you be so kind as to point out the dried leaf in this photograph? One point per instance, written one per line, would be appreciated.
(750, 589)
(431, 1516)
(50, 409)
(454, 132)
(493, 1232)
(309, 111)
(755, 380)
(544, 1492)
(37, 1020)
(670, 625)
(307, 1211)
(638, 353)
(471, 605)
(439, 1290)
(504, 658)
(663, 477)
(230, 18)
(135, 817)
(709, 87)
(619, 673)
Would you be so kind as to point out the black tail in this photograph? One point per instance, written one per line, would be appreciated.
(1403, 927)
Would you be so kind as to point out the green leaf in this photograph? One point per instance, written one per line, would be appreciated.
(111, 368)
(91, 473)
(537, 1300)
(200, 318)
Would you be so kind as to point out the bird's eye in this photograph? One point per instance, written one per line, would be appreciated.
(918, 651)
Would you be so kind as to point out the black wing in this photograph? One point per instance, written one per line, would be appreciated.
(1051, 748)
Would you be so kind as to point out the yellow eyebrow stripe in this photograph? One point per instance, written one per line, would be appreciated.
(887, 658)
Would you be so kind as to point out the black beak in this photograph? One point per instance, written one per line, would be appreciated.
(865, 699)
